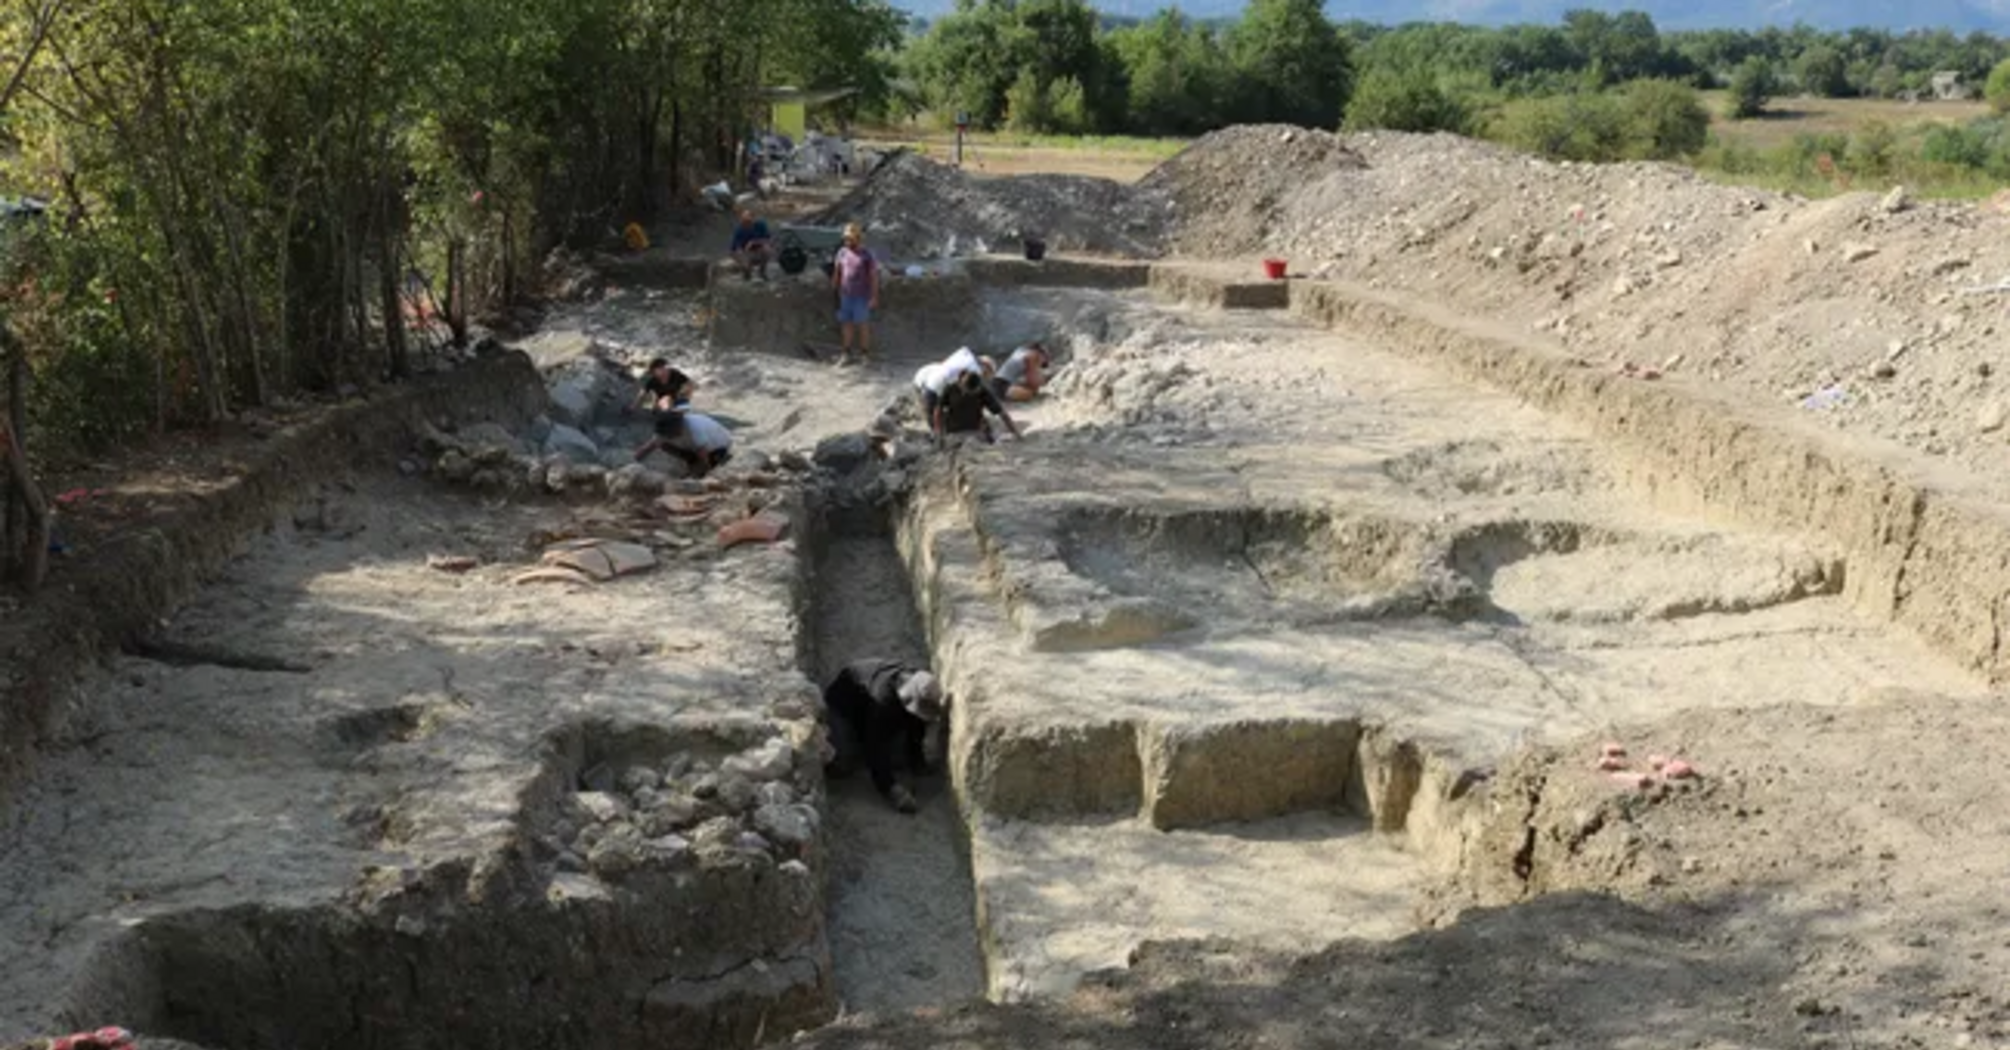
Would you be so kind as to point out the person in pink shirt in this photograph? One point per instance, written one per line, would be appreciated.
(856, 278)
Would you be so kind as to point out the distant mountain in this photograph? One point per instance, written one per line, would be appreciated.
(1959, 15)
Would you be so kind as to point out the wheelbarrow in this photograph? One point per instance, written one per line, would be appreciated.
(794, 245)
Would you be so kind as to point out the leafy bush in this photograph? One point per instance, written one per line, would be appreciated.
(1752, 86)
(1957, 146)
(1404, 100)
(1665, 120)
(1589, 127)
(1997, 88)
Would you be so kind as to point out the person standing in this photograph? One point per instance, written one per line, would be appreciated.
(855, 275)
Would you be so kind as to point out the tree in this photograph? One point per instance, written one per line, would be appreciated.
(1176, 75)
(1997, 88)
(1291, 65)
(1752, 86)
(1822, 71)
(1404, 100)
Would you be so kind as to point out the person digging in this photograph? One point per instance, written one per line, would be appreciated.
(882, 709)
(965, 403)
(666, 392)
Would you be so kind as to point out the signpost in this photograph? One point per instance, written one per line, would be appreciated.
(962, 124)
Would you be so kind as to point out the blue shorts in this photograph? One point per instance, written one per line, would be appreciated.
(854, 309)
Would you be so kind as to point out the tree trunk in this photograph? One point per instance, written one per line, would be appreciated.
(13, 557)
(397, 353)
(457, 291)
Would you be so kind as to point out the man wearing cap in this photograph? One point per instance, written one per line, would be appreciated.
(887, 707)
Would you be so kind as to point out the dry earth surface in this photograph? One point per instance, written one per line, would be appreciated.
(1282, 667)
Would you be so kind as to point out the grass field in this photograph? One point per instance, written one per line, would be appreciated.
(1002, 153)
(1788, 117)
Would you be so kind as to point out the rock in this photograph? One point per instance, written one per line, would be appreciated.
(408, 467)
(557, 474)
(636, 779)
(678, 766)
(752, 842)
(1991, 417)
(1896, 201)
(775, 793)
(601, 806)
(844, 453)
(796, 462)
(667, 849)
(540, 429)
(1857, 252)
(790, 825)
(772, 760)
(455, 467)
(572, 444)
(1894, 350)
(569, 861)
(628, 558)
(706, 786)
(669, 813)
(1668, 260)
(737, 793)
(716, 834)
(489, 435)
(454, 563)
(577, 389)
(410, 926)
(794, 869)
(618, 852)
(600, 777)
(489, 480)
(1884, 370)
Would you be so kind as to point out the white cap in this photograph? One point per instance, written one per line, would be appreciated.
(921, 694)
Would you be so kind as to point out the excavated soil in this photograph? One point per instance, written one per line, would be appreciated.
(1291, 671)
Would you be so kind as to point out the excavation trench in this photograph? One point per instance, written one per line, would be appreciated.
(902, 915)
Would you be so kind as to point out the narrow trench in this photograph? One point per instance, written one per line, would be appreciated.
(902, 922)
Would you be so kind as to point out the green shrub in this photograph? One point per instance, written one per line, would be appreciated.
(1752, 86)
(1957, 146)
(1665, 120)
(1588, 127)
(1873, 149)
(1997, 88)
(1404, 100)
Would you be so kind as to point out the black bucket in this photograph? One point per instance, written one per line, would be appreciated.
(1036, 249)
(793, 259)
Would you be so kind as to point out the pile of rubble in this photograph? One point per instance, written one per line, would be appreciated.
(688, 809)
(915, 208)
(1871, 311)
(1230, 188)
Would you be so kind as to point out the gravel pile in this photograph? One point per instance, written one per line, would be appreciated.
(915, 208)
(1848, 311)
(1230, 187)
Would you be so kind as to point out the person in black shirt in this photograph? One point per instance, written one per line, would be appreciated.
(964, 403)
(885, 708)
(667, 392)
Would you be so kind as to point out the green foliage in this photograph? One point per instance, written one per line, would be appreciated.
(1752, 86)
(1873, 149)
(1585, 127)
(1647, 120)
(1404, 100)
(1665, 120)
(1290, 64)
(1997, 88)
(1822, 71)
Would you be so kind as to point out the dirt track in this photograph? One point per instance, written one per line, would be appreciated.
(1269, 637)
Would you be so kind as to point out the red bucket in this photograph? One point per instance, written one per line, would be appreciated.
(1274, 269)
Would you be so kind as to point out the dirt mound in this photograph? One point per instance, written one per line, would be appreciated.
(1231, 186)
(916, 208)
(1850, 311)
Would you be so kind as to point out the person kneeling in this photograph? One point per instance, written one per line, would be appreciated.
(703, 443)
(884, 708)
(965, 401)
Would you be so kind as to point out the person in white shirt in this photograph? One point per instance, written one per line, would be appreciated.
(704, 444)
(1023, 374)
(933, 380)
